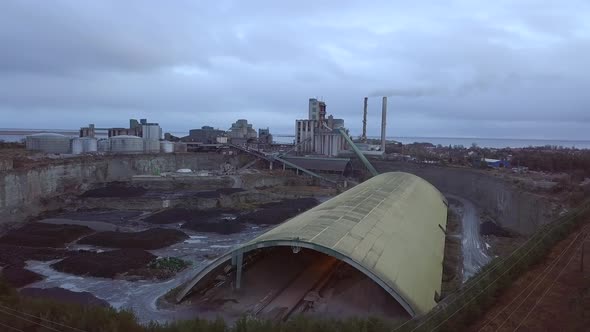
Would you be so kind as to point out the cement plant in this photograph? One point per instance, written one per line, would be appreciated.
(228, 224)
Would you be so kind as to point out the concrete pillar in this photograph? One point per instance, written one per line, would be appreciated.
(270, 166)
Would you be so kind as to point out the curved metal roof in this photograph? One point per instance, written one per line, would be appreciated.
(386, 227)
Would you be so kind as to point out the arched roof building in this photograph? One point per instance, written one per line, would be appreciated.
(389, 227)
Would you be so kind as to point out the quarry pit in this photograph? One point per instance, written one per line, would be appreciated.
(123, 233)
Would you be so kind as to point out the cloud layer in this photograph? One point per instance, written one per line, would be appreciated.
(493, 69)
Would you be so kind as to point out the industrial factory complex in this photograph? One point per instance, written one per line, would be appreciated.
(321, 142)
(228, 223)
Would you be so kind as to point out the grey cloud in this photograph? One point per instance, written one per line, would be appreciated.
(450, 69)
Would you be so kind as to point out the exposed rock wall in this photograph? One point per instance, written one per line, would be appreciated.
(514, 208)
(27, 192)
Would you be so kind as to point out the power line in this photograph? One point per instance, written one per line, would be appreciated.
(550, 286)
(491, 283)
(10, 327)
(41, 318)
(536, 284)
(473, 282)
(30, 321)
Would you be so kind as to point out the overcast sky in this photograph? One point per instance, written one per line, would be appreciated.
(517, 69)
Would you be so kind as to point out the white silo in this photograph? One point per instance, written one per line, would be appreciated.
(151, 131)
(103, 145)
(77, 146)
(89, 144)
(166, 147)
(84, 145)
(126, 144)
(48, 143)
(151, 146)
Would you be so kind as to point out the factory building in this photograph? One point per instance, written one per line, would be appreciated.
(241, 131)
(264, 136)
(149, 134)
(318, 134)
(205, 135)
(88, 131)
(141, 128)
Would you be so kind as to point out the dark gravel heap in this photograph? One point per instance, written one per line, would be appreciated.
(277, 212)
(64, 295)
(154, 238)
(13, 258)
(217, 193)
(115, 189)
(36, 234)
(219, 227)
(18, 276)
(105, 264)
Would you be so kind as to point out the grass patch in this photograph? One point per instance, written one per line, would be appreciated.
(170, 264)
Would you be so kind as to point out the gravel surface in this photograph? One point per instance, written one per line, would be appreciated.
(154, 238)
(36, 234)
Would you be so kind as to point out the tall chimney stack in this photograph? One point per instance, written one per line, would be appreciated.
(364, 136)
(383, 123)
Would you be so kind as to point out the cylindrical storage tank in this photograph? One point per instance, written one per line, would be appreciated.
(151, 131)
(180, 147)
(103, 145)
(84, 145)
(150, 146)
(126, 144)
(77, 146)
(89, 144)
(48, 143)
(166, 147)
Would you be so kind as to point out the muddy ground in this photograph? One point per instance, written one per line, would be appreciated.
(277, 212)
(36, 234)
(63, 295)
(491, 228)
(18, 276)
(13, 258)
(65, 252)
(154, 238)
(115, 189)
(229, 221)
(108, 264)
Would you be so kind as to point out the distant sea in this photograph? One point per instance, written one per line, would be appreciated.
(497, 143)
(15, 135)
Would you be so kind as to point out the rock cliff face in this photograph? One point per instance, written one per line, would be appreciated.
(28, 192)
(519, 210)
